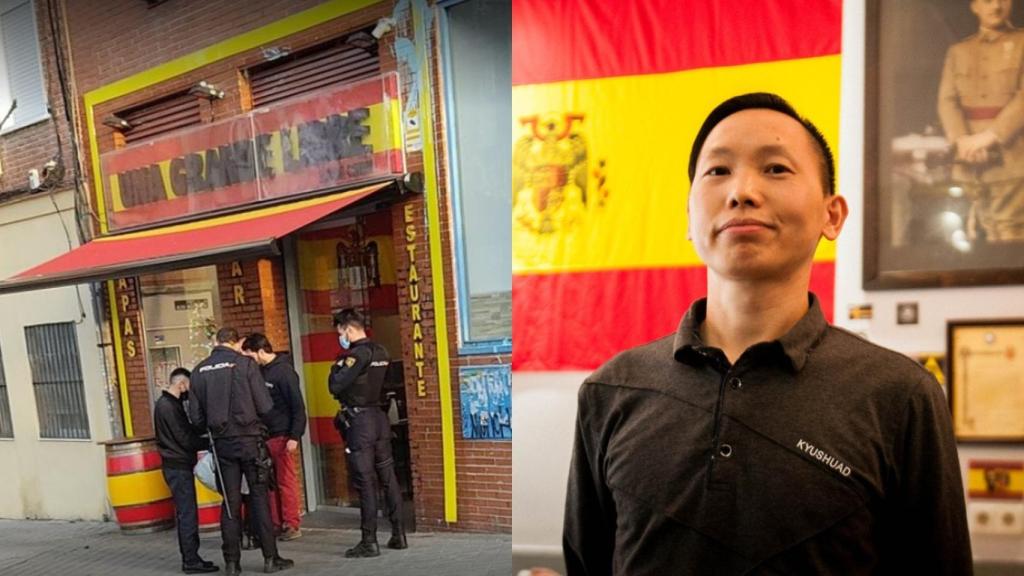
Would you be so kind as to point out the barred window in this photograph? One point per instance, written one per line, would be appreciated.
(6, 426)
(57, 381)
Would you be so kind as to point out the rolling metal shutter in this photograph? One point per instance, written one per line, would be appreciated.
(161, 116)
(333, 63)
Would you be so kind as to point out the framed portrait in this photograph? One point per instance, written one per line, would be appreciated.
(986, 379)
(943, 145)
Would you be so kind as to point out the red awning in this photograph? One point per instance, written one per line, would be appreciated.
(251, 233)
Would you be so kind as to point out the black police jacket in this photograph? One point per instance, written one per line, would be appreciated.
(228, 395)
(358, 378)
(288, 416)
(176, 439)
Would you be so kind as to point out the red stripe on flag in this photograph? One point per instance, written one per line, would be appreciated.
(555, 40)
(577, 321)
(320, 347)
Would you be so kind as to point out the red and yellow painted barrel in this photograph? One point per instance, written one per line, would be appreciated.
(135, 484)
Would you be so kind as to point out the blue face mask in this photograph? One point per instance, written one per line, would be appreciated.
(343, 340)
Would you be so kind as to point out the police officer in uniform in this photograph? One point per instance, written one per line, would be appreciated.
(981, 107)
(356, 381)
(229, 397)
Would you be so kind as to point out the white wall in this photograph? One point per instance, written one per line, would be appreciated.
(935, 306)
(544, 404)
(47, 478)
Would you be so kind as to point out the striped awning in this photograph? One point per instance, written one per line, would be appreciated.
(246, 234)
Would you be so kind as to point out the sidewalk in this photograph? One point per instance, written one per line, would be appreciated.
(57, 548)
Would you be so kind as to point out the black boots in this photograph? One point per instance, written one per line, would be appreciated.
(363, 550)
(276, 564)
(200, 567)
(232, 568)
(397, 541)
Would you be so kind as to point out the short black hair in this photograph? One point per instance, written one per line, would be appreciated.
(350, 317)
(257, 341)
(227, 336)
(768, 101)
(179, 371)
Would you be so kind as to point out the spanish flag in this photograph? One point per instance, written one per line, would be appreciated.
(607, 97)
(995, 480)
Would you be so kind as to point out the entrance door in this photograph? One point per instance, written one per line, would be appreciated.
(348, 264)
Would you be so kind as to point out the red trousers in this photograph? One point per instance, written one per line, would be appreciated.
(285, 502)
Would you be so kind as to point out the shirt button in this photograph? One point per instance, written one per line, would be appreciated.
(725, 450)
(735, 383)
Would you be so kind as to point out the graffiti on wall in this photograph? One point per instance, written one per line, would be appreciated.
(486, 400)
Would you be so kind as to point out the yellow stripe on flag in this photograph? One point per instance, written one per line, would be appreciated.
(319, 401)
(977, 484)
(636, 132)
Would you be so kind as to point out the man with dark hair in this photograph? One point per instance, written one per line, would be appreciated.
(356, 381)
(757, 438)
(178, 441)
(286, 423)
(230, 398)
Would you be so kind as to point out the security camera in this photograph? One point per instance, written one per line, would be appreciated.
(384, 25)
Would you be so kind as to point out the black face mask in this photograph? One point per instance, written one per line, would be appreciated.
(184, 396)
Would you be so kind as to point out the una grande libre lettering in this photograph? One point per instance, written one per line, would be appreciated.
(334, 138)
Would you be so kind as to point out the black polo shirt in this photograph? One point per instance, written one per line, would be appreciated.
(817, 453)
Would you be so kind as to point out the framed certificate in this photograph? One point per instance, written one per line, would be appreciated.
(986, 379)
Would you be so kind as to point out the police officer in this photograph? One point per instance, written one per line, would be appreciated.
(228, 398)
(356, 381)
(981, 106)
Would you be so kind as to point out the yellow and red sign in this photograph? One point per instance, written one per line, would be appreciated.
(604, 118)
(331, 138)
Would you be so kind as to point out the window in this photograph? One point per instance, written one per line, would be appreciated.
(57, 381)
(477, 36)
(181, 313)
(21, 73)
(6, 426)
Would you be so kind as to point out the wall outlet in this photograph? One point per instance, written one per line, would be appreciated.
(996, 517)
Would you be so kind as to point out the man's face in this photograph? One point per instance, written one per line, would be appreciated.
(992, 13)
(251, 354)
(757, 206)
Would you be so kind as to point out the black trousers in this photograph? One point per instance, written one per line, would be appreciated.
(183, 491)
(368, 444)
(237, 457)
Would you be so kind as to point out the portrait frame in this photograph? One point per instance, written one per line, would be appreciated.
(917, 217)
(982, 357)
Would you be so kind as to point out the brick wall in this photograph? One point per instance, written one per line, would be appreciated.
(33, 146)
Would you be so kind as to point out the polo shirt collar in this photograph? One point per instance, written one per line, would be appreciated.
(796, 345)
